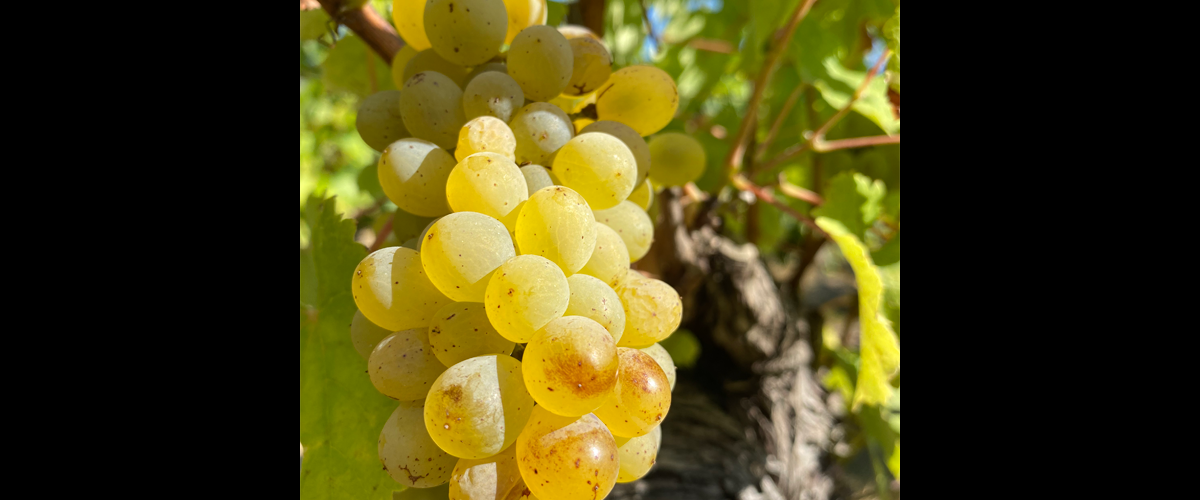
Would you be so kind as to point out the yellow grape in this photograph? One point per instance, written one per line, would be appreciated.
(408, 16)
(540, 60)
(637, 455)
(429, 60)
(487, 183)
(476, 408)
(466, 32)
(461, 330)
(573, 31)
(400, 62)
(537, 177)
(677, 159)
(592, 66)
(408, 453)
(488, 478)
(567, 458)
(635, 143)
(599, 167)
(596, 300)
(632, 224)
(541, 129)
(431, 105)
(460, 251)
(643, 196)
(643, 97)
(663, 358)
(610, 259)
(392, 290)
(378, 121)
(403, 366)
(493, 93)
(413, 175)
(641, 398)
(523, 14)
(524, 294)
(653, 311)
(365, 335)
(520, 492)
(570, 366)
(485, 134)
(556, 223)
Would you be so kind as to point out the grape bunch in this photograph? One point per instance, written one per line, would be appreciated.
(505, 316)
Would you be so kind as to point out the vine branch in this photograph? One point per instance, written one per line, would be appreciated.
(367, 24)
(783, 113)
(741, 183)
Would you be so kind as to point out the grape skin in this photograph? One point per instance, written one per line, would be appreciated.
(494, 66)
(431, 105)
(391, 289)
(599, 167)
(637, 455)
(403, 366)
(406, 225)
(413, 173)
(610, 259)
(596, 300)
(567, 458)
(643, 196)
(478, 407)
(485, 134)
(378, 121)
(677, 159)
(365, 335)
(635, 143)
(408, 453)
(632, 224)
(570, 366)
(643, 97)
(400, 62)
(487, 183)
(488, 478)
(537, 177)
(653, 311)
(663, 358)
(408, 17)
(523, 14)
(557, 224)
(493, 93)
(592, 66)
(524, 294)
(466, 32)
(641, 397)
(460, 251)
(541, 129)
(541, 61)
(429, 60)
(460, 331)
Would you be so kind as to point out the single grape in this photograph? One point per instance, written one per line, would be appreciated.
(643, 97)
(677, 159)
(461, 331)
(408, 453)
(637, 455)
(406, 225)
(524, 294)
(637, 145)
(492, 93)
(378, 121)
(478, 407)
(567, 458)
(400, 63)
(556, 223)
(523, 14)
(640, 399)
(541, 129)
(632, 224)
(460, 251)
(493, 65)
(408, 16)
(429, 60)
(610, 259)
(573, 31)
(541, 61)
(392, 290)
(487, 183)
(599, 167)
(413, 175)
(653, 311)
(537, 177)
(466, 32)
(365, 335)
(596, 300)
(488, 478)
(663, 358)
(570, 366)
(485, 134)
(403, 366)
(592, 66)
(431, 105)
(643, 196)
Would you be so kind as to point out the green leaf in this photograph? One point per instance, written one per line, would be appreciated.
(555, 13)
(878, 347)
(350, 65)
(873, 103)
(854, 200)
(313, 24)
(341, 413)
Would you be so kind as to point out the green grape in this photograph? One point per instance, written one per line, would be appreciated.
(400, 64)
(570, 366)
(378, 121)
(476, 408)
(540, 60)
(494, 66)
(637, 145)
(643, 196)
(524, 294)
(392, 290)
(663, 358)
(677, 159)
(413, 173)
(408, 17)
(434, 493)
(653, 311)
(610, 259)
(573, 31)
(643, 97)
(431, 105)
(466, 32)
(567, 458)
(557, 224)
(487, 183)
(596, 300)
(408, 453)
(598, 166)
(492, 94)
(413, 243)
(637, 455)
(632, 224)
(461, 330)
(485, 134)
(523, 14)
(537, 177)
(406, 226)
(365, 335)
(488, 478)
(460, 251)
(541, 129)
(429, 60)
(403, 366)
(640, 399)
(592, 66)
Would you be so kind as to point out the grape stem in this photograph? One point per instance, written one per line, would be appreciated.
(383, 233)
(783, 113)
(374, 30)
(742, 184)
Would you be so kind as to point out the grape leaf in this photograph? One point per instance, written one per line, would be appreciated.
(341, 413)
(873, 103)
(879, 349)
(854, 200)
(556, 13)
(350, 65)
(313, 23)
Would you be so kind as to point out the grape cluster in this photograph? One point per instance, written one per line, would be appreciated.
(518, 224)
